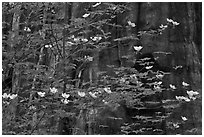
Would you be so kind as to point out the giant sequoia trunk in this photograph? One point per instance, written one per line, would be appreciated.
(182, 43)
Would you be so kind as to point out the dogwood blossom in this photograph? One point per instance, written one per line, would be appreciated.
(192, 94)
(65, 101)
(86, 15)
(93, 94)
(53, 90)
(184, 118)
(137, 48)
(131, 24)
(172, 86)
(64, 95)
(185, 84)
(181, 98)
(5, 95)
(81, 94)
(97, 38)
(27, 29)
(107, 90)
(48, 46)
(41, 94)
(148, 67)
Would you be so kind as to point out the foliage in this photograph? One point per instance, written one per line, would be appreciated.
(51, 54)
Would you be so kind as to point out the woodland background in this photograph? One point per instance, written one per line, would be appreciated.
(70, 68)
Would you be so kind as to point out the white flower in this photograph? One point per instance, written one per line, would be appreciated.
(148, 67)
(184, 118)
(27, 29)
(13, 96)
(185, 84)
(84, 40)
(137, 48)
(65, 101)
(96, 38)
(105, 102)
(93, 94)
(176, 125)
(48, 46)
(86, 15)
(81, 94)
(172, 86)
(173, 22)
(169, 20)
(131, 24)
(77, 39)
(95, 5)
(53, 90)
(108, 90)
(176, 23)
(163, 26)
(191, 94)
(5, 95)
(181, 98)
(41, 94)
(64, 95)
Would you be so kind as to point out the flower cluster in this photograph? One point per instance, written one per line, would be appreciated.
(11, 96)
(173, 22)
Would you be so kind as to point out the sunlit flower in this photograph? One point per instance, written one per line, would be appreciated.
(97, 4)
(173, 22)
(169, 20)
(41, 94)
(84, 40)
(148, 67)
(131, 24)
(185, 84)
(77, 39)
(53, 90)
(48, 46)
(93, 94)
(81, 94)
(172, 86)
(65, 101)
(64, 95)
(181, 98)
(137, 48)
(13, 96)
(163, 26)
(86, 15)
(191, 94)
(5, 95)
(184, 118)
(176, 125)
(96, 38)
(27, 29)
(108, 90)
(105, 102)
